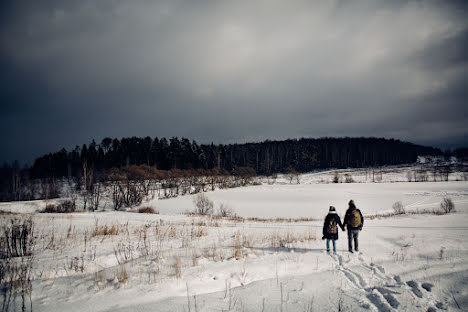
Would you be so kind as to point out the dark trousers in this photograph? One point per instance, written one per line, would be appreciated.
(353, 234)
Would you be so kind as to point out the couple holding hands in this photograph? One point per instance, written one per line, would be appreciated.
(353, 222)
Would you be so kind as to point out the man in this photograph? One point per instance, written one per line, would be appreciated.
(353, 221)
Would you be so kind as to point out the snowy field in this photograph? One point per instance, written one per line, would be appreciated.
(313, 200)
(125, 261)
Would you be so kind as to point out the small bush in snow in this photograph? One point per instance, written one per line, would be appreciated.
(398, 208)
(238, 254)
(292, 175)
(349, 178)
(204, 206)
(336, 178)
(447, 205)
(225, 210)
(147, 210)
(63, 207)
(177, 267)
(122, 275)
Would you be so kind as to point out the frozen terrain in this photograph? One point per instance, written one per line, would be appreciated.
(125, 261)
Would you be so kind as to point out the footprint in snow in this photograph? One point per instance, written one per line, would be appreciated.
(441, 306)
(415, 288)
(388, 295)
(340, 260)
(355, 278)
(427, 286)
(376, 298)
(397, 279)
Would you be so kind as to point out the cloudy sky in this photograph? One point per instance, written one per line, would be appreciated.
(231, 71)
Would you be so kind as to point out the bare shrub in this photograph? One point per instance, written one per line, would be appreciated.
(18, 239)
(336, 178)
(16, 277)
(194, 258)
(123, 252)
(398, 208)
(410, 176)
(76, 263)
(99, 280)
(198, 231)
(271, 178)
(63, 207)
(292, 175)
(225, 210)
(50, 208)
(349, 178)
(238, 253)
(147, 210)
(122, 275)
(447, 205)
(177, 267)
(244, 175)
(16, 260)
(421, 175)
(204, 205)
(95, 196)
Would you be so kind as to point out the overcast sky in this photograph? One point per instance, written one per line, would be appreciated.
(231, 71)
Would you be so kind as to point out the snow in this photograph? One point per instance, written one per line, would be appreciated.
(411, 262)
(313, 200)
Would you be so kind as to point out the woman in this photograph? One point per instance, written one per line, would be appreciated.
(330, 228)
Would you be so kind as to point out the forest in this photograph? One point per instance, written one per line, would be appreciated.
(145, 158)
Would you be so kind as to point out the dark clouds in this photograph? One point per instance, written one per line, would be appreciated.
(231, 70)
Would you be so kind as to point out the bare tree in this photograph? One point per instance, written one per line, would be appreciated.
(203, 204)
(271, 178)
(244, 175)
(447, 205)
(292, 175)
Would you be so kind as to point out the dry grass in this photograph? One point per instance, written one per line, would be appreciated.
(177, 267)
(105, 230)
(412, 212)
(122, 275)
(238, 253)
(210, 219)
(194, 258)
(198, 231)
(99, 280)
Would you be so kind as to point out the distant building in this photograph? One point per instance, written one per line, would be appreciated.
(429, 159)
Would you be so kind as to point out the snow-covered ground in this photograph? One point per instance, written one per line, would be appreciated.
(174, 262)
(313, 200)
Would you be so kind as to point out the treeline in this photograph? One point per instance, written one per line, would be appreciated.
(266, 157)
(96, 161)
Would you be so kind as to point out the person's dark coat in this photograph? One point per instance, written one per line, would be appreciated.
(348, 216)
(332, 216)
